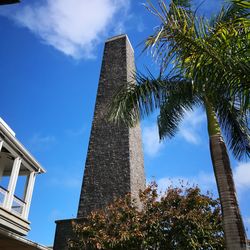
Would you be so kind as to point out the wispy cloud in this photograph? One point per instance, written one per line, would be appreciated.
(73, 27)
(138, 20)
(242, 176)
(189, 129)
(190, 135)
(39, 142)
(151, 140)
(248, 220)
(247, 223)
(206, 181)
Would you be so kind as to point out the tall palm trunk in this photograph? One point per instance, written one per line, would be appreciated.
(234, 231)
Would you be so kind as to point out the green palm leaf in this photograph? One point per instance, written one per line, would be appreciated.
(135, 101)
(218, 51)
(180, 98)
(234, 125)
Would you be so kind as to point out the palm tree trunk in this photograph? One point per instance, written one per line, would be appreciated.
(235, 236)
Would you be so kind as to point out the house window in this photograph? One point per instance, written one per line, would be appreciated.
(20, 190)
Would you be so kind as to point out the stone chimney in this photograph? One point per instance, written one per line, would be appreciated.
(114, 164)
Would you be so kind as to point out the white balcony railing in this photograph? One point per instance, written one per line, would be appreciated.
(17, 205)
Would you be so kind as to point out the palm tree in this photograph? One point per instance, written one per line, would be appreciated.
(211, 70)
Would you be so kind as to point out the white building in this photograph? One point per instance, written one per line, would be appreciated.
(18, 170)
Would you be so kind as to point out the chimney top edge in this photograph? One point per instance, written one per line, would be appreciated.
(119, 37)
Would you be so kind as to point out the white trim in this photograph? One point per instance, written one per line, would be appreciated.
(12, 183)
(118, 37)
(7, 127)
(28, 194)
(130, 43)
(1, 145)
(1, 168)
(12, 142)
(115, 37)
(15, 154)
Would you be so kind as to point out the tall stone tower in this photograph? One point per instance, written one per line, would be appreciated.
(114, 165)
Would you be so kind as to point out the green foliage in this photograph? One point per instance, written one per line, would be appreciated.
(181, 218)
(183, 3)
(212, 52)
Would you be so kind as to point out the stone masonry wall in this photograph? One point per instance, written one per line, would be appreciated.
(114, 164)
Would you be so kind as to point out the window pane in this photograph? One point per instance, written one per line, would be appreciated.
(22, 182)
(6, 165)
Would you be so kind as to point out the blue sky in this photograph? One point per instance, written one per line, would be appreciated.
(51, 52)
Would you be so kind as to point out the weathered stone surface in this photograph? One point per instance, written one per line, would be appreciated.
(64, 233)
(114, 165)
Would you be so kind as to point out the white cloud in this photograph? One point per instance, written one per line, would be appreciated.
(73, 27)
(151, 140)
(189, 135)
(248, 220)
(195, 118)
(206, 181)
(242, 176)
(190, 126)
(189, 130)
(140, 26)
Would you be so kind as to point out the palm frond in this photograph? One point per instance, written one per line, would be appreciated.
(234, 125)
(135, 101)
(242, 3)
(230, 12)
(218, 53)
(179, 36)
(182, 3)
(180, 98)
